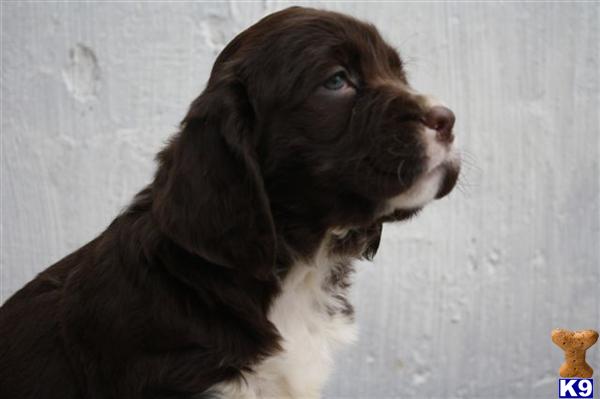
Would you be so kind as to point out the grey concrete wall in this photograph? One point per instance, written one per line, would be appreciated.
(460, 301)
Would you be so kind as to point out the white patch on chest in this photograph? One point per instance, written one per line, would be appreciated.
(310, 333)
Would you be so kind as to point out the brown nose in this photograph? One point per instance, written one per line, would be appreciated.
(441, 119)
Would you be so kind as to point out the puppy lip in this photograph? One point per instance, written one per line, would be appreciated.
(451, 173)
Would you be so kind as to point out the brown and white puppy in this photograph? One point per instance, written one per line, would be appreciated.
(227, 275)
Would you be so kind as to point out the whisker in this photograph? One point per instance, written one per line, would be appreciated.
(470, 176)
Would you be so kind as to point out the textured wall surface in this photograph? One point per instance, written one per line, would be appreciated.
(459, 302)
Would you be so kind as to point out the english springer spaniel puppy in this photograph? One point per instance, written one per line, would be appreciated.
(227, 276)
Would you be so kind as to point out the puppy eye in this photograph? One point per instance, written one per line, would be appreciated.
(336, 82)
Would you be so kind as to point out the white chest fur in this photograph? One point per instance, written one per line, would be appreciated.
(309, 318)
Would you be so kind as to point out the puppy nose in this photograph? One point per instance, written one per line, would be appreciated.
(441, 119)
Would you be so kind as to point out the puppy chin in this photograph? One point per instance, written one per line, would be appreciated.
(435, 183)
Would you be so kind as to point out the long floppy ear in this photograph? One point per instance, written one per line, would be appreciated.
(209, 195)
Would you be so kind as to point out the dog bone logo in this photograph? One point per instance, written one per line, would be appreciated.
(575, 343)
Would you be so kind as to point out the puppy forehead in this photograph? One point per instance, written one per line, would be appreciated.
(289, 53)
(304, 32)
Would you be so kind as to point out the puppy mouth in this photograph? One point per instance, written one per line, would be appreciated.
(437, 182)
(451, 172)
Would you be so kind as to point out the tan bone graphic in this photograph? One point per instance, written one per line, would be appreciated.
(575, 343)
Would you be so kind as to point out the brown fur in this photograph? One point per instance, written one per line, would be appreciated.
(173, 296)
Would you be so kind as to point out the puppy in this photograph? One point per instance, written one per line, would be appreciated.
(227, 275)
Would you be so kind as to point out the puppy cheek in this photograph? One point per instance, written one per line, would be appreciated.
(327, 116)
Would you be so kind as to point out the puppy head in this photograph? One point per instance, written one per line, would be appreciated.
(337, 115)
(308, 115)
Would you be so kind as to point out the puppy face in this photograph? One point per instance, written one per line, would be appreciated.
(307, 125)
(337, 113)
